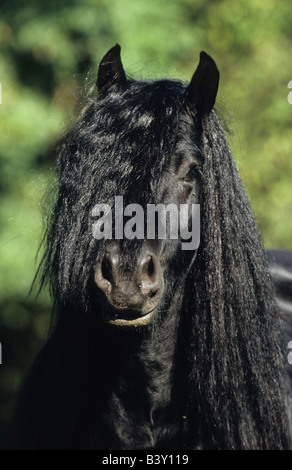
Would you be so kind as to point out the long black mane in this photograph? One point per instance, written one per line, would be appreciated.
(108, 152)
(217, 331)
(236, 335)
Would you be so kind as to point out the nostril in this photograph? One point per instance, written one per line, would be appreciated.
(148, 268)
(106, 269)
(149, 279)
(109, 266)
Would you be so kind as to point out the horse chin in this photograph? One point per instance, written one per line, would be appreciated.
(128, 318)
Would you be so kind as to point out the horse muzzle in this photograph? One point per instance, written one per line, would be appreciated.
(131, 296)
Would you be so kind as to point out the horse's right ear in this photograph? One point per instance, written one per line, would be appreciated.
(202, 90)
(111, 69)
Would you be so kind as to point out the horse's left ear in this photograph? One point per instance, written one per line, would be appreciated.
(202, 90)
(111, 69)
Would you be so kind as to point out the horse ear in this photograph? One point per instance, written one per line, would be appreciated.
(202, 90)
(111, 69)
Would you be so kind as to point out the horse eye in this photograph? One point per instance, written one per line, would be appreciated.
(192, 174)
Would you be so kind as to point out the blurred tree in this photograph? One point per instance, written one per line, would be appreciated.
(46, 51)
(49, 51)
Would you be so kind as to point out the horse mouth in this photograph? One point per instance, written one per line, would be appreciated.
(127, 317)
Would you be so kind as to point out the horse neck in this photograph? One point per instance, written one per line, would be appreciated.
(142, 381)
(149, 360)
(135, 378)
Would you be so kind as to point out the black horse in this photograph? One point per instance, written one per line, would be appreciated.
(155, 346)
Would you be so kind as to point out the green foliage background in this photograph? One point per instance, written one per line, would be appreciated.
(50, 49)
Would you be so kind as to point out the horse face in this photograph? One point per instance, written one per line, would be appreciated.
(132, 272)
